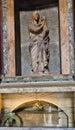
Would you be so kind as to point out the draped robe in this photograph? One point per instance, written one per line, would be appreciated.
(39, 50)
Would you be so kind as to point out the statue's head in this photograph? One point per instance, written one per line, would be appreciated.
(36, 16)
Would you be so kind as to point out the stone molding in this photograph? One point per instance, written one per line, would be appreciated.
(48, 86)
(24, 128)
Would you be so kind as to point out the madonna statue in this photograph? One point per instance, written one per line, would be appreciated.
(39, 44)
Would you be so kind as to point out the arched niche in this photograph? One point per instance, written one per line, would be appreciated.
(41, 113)
(14, 46)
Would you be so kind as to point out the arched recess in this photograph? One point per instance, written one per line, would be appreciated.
(64, 40)
(43, 113)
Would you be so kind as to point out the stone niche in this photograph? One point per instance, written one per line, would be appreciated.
(50, 11)
(20, 13)
(51, 14)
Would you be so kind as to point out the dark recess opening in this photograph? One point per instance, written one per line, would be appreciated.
(26, 5)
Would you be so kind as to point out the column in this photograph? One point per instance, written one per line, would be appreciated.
(64, 37)
(11, 38)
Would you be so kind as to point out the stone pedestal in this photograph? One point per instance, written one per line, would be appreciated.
(58, 90)
(35, 128)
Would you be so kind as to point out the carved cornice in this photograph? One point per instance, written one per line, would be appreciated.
(48, 86)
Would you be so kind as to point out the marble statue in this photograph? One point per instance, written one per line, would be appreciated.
(39, 44)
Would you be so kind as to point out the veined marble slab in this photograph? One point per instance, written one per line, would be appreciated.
(48, 86)
(21, 128)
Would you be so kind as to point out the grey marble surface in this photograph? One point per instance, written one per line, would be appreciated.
(5, 41)
(38, 78)
(49, 86)
(51, 15)
(43, 83)
(71, 34)
(21, 128)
